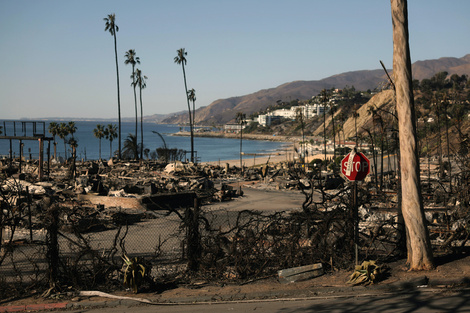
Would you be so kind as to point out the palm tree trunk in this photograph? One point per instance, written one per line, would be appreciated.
(65, 150)
(190, 115)
(55, 149)
(118, 93)
(135, 102)
(100, 148)
(194, 113)
(419, 246)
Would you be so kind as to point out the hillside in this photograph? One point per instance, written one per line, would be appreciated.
(223, 110)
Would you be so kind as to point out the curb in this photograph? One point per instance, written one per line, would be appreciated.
(34, 307)
(346, 291)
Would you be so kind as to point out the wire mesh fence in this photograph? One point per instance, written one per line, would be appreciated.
(56, 244)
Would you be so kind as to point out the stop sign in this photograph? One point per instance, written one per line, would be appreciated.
(355, 166)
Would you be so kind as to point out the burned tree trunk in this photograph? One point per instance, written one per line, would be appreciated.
(419, 246)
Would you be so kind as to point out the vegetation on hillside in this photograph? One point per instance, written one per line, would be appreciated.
(442, 105)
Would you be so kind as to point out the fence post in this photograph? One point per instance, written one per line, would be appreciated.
(41, 158)
(193, 236)
(52, 254)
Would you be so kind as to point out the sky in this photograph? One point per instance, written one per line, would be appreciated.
(56, 60)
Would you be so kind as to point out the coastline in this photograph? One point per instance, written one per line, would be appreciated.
(251, 160)
(286, 139)
(287, 154)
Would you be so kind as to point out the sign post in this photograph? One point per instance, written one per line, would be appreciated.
(355, 167)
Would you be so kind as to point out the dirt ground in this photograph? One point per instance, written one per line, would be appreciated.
(449, 272)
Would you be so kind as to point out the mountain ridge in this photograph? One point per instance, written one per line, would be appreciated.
(224, 110)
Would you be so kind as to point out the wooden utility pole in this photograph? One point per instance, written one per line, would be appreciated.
(419, 246)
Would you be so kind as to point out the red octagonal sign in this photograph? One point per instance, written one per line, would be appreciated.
(355, 166)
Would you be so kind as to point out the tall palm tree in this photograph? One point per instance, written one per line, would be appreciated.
(181, 59)
(113, 28)
(99, 132)
(140, 81)
(111, 133)
(63, 133)
(132, 59)
(54, 131)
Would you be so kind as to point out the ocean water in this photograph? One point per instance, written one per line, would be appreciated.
(208, 149)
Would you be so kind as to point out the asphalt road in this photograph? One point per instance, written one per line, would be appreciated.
(412, 301)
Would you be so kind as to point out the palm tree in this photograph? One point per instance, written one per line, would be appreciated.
(241, 120)
(139, 80)
(111, 133)
(54, 130)
(63, 132)
(132, 59)
(99, 133)
(71, 128)
(131, 147)
(113, 28)
(181, 59)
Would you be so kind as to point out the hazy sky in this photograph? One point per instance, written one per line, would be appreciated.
(56, 60)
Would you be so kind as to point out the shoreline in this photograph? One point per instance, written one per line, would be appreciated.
(287, 139)
(252, 160)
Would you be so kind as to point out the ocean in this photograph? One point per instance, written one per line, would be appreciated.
(208, 149)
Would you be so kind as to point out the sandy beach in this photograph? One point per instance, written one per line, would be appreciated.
(288, 154)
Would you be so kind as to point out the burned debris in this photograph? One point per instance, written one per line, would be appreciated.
(155, 212)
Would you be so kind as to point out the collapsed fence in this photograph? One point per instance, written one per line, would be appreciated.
(55, 244)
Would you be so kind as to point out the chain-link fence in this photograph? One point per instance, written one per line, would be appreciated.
(56, 244)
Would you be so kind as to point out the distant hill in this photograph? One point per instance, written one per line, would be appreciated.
(223, 110)
(158, 118)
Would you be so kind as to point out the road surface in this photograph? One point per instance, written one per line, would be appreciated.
(420, 300)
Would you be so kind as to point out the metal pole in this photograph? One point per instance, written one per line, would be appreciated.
(29, 216)
(21, 153)
(11, 154)
(41, 158)
(356, 222)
